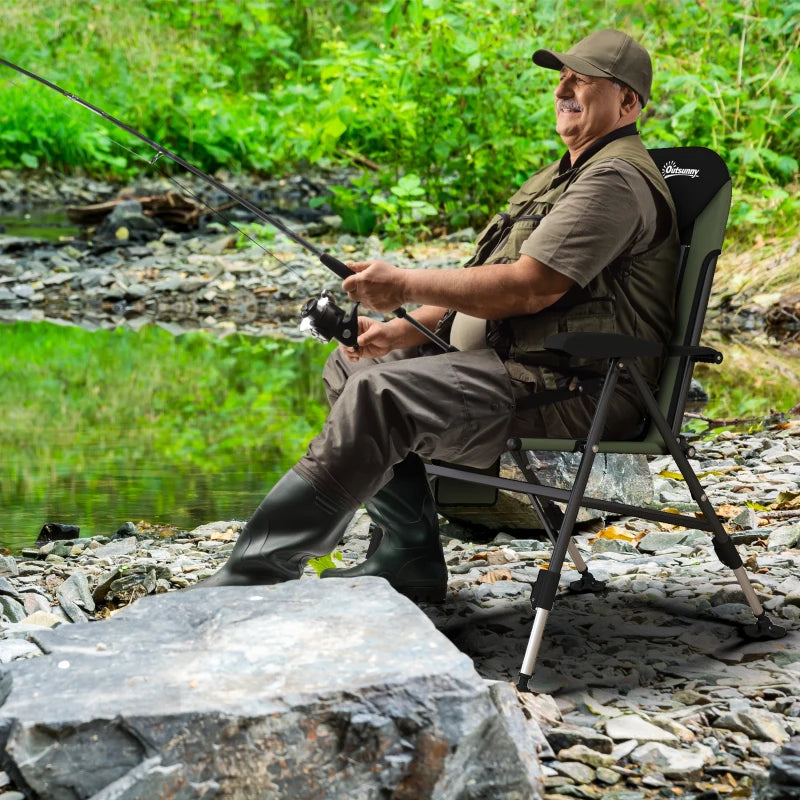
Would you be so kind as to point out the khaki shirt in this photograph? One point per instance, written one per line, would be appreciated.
(608, 211)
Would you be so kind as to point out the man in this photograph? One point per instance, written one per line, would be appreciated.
(588, 243)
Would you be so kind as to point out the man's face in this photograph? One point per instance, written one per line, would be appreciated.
(586, 108)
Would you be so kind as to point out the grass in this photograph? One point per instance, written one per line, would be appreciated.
(443, 92)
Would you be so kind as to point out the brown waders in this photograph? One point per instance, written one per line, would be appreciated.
(456, 406)
(386, 415)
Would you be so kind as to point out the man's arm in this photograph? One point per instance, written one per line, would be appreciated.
(492, 291)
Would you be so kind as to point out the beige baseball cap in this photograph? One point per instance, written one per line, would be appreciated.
(605, 54)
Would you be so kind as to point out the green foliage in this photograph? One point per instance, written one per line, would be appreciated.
(352, 204)
(403, 207)
(330, 561)
(442, 90)
(193, 400)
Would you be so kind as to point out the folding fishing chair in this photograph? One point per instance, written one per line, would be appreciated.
(701, 189)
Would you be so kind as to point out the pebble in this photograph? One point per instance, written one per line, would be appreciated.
(576, 771)
(756, 723)
(586, 755)
(670, 762)
(632, 726)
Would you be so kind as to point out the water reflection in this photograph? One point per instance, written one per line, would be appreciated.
(153, 491)
(49, 224)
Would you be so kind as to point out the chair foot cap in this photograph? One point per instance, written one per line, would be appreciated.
(522, 682)
(586, 584)
(763, 629)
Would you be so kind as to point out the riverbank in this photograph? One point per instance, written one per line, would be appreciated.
(648, 691)
(132, 270)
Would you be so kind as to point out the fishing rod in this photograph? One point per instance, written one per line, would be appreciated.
(322, 317)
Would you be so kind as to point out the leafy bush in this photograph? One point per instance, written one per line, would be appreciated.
(442, 90)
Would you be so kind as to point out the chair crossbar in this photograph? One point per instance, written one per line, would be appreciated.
(563, 496)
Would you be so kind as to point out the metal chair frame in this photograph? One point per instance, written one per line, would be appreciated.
(702, 216)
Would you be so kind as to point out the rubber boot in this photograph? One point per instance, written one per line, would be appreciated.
(409, 554)
(294, 522)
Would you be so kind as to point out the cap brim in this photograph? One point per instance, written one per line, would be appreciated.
(549, 59)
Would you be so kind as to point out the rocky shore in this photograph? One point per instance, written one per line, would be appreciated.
(645, 691)
(131, 270)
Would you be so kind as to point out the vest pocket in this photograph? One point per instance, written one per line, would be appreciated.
(595, 316)
(516, 232)
(521, 339)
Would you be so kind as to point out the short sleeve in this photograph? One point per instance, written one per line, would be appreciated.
(608, 211)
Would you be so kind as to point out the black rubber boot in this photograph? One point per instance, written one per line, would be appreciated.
(409, 554)
(294, 522)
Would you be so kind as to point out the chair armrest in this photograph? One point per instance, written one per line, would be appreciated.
(583, 344)
(707, 355)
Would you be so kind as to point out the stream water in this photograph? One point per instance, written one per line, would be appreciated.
(50, 474)
(150, 490)
(49, 224)
(53, 474)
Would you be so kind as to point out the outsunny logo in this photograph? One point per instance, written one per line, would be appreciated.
(672, 170)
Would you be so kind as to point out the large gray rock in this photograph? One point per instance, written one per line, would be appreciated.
(614, 476)
(334, 689)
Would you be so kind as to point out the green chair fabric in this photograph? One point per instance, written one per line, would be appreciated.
(701, 188)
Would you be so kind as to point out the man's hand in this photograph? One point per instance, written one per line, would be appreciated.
(375, 339)
(377, 285)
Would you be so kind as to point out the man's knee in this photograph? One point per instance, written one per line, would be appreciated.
(335, 374)
(338, 370)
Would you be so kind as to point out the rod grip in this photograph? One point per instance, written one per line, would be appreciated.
(339, 267)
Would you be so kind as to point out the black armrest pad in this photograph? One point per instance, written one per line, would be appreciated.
(602, 345)
(697, 353)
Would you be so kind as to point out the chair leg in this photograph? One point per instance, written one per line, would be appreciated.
(546, 586)
(726, 551)
(551, 517)
(542, 600)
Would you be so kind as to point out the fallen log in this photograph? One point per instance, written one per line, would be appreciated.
(171, 208)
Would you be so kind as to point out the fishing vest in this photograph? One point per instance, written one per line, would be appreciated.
(634, 295)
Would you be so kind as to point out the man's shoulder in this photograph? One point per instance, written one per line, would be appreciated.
(627, 161)
(626, 155)
(616, 170)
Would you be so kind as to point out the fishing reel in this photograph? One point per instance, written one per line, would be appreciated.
(324, 320)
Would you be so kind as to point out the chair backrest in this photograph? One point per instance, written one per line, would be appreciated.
(700, 185)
